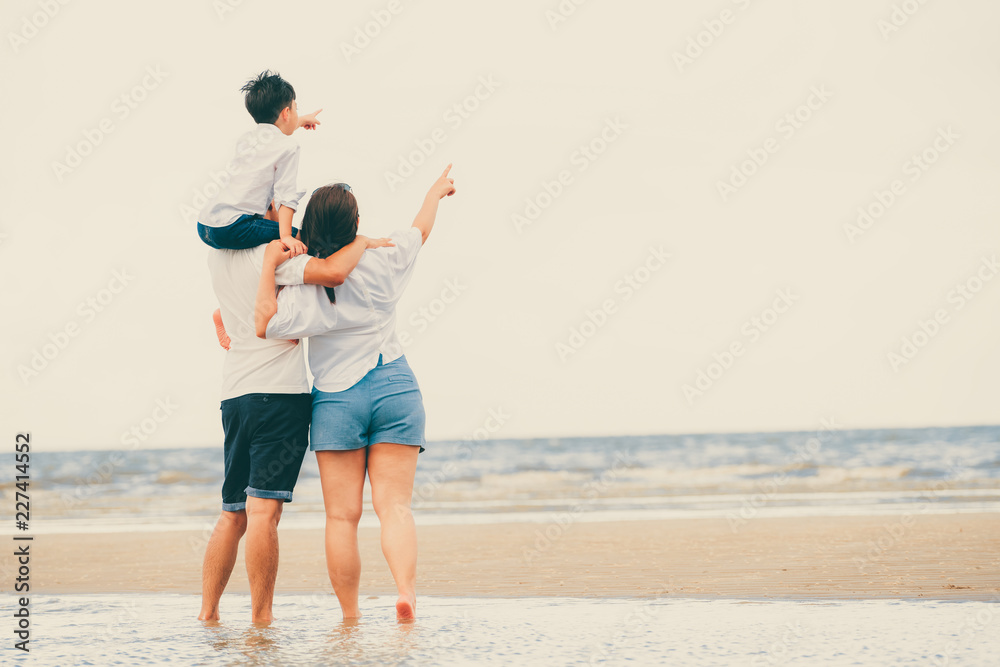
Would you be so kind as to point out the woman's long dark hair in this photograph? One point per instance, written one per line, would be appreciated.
(330, 222)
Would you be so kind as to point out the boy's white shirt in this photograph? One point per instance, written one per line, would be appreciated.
(254, 365)
(265, 167)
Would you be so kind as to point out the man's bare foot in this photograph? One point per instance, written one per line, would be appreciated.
(406, 607)
(208, 615)
(220, 330)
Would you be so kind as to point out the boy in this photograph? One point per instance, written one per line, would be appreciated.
(268, 165)
(256, 206)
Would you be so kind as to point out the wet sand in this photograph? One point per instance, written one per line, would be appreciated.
(922, 556)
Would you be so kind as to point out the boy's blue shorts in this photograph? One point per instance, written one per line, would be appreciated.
(247, 231)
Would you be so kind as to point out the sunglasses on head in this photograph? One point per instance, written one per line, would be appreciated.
(343, 186)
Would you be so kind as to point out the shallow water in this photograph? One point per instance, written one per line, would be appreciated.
(153, 629)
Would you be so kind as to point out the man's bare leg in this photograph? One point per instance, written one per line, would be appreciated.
(342, 475)
(391, 468)
(220, 557)
(263, 515)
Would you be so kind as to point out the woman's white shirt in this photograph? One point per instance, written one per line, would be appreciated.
(347, 337)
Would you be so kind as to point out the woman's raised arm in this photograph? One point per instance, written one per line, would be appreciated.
(443, 187)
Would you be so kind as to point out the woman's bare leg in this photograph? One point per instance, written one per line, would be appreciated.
(391, 468)
(342, 475)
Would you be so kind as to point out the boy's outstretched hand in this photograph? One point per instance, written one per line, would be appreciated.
(310, 122)
(294, 246)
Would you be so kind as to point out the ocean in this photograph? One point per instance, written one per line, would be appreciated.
(828, 472)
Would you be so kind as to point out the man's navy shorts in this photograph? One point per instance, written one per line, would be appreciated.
(266, 439)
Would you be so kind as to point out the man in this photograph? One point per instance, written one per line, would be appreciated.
(266, 407)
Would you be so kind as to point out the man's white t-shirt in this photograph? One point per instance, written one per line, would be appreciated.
(254, 365)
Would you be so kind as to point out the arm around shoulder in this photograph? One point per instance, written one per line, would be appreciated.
(333, 270)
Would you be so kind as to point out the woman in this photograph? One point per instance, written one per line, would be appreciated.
(367, 410)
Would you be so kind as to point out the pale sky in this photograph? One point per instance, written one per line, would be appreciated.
(831, 104)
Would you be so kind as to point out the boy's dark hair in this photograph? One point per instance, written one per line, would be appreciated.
(330, 222)
(267, 95)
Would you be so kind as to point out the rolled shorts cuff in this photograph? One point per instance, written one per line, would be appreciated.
(269, 495)
(335, 447)
(234, 507)
(388, 437)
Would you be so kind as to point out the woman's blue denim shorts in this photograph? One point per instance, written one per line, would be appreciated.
(384, 406)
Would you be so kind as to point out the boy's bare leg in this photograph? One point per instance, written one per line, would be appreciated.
(263, 515)
(220, 557)
(342, 475)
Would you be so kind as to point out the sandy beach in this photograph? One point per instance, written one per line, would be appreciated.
(920, 556)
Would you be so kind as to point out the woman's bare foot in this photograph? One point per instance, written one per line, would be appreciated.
(406, 607)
